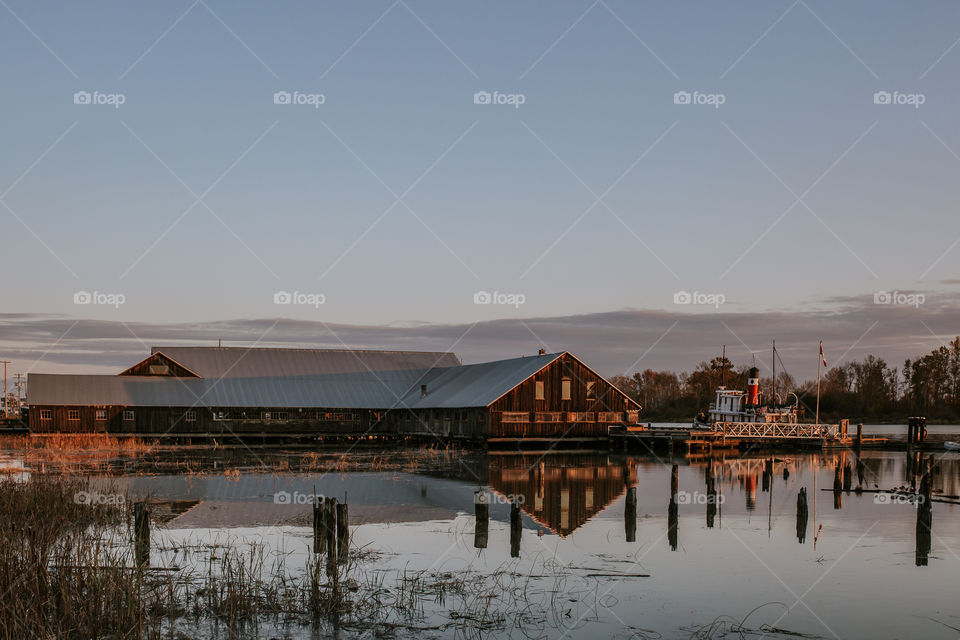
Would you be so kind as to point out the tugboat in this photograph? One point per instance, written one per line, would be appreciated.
(744, 406)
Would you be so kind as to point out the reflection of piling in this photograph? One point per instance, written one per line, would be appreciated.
(767, 475)
(141, 529)
(925, 515)
(330, 531)
(319, 526)
(859, 437)
(847, 478)
(672, 523)
(711, 496)
(343, 531)
(802, 514)
(630, 515)
(674, 481)
(516, 526)
(481, 508)
(861, 467)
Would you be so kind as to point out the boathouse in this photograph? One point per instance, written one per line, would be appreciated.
(224, 391)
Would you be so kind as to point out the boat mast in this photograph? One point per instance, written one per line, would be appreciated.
(723, 366)
(773, 359)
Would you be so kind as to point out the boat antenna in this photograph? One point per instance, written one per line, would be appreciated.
(723, 366)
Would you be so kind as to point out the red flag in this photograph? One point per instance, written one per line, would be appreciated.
(822, 357)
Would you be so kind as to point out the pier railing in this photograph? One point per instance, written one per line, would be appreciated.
(777, 430)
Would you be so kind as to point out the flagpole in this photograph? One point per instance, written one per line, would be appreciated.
(819, 362)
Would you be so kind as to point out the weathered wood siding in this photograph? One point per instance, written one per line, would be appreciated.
(158, 360)
(592, 410)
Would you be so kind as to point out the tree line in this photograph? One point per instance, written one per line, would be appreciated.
(861, 390)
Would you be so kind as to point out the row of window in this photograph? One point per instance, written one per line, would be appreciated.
(101, 415)
(566, 386)
(521, 417)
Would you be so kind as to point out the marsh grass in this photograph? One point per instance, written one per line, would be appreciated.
(67, 570)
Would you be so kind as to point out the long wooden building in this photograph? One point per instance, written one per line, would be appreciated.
(223, 391)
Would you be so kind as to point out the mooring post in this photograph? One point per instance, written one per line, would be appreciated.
(141, 528)
(319, 535)
(859, 434)
(343, 531)
(516, 526)
(330, 513)
(837, 488)
(481, 508)
(630, 515)
(674, 482)
(924, 530)
(802, 514)
(910, 422)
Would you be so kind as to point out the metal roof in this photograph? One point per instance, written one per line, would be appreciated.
(475, 385)
(244, 362)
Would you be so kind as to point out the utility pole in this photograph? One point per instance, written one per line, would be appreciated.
(6, 404)
(21, 382)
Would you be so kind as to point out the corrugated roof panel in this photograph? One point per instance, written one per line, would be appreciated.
(242, 362)
(475, 385)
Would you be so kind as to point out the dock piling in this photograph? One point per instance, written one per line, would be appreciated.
(141, 528)
(481, 508)
(630, 515)
(343, 531)
(516, 527)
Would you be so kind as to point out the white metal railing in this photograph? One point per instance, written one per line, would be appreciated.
(777, 430)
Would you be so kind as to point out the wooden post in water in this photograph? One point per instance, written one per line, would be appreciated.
(141, 528)
(802, 514)
(837, 488)
(343, 531)
(674, 481)
(516, 527)
(319, 533)
(630, 515)
(924, 530)
(330, 513)
(859, 435)
(481, 508)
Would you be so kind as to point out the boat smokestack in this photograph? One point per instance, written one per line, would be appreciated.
(753, 387)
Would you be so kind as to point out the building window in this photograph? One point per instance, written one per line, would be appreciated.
(128, 414)
(541, 393)
(73, 414)
(266, 415)
(101, 414)
(591, 395)
(159, 369)
(281, 415)
(565, 389)
(46, 414)
(190, 416)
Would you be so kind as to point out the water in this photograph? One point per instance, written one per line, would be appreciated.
(860, 572)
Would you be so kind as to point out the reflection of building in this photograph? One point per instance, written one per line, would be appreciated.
(214, 391)
(561, 492)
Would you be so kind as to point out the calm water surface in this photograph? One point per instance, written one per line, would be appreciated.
(720, 550)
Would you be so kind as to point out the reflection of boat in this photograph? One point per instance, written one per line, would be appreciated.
(951, 446)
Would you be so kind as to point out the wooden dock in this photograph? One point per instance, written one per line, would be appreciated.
(737, 436)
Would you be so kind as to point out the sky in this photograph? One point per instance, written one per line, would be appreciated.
(483, 177)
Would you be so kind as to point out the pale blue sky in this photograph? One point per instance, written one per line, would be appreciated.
(500, 194)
